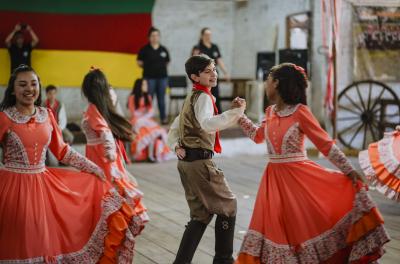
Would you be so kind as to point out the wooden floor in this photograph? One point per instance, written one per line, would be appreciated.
(168, 210)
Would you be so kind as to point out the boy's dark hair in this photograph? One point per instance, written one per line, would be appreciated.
(151, 30)
(197, 64)
(292, 83)
(50, 88)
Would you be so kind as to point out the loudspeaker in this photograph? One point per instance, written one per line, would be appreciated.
(265, 61)
(296, 56)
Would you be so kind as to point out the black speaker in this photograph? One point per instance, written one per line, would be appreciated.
(265, 61)
(296, 56)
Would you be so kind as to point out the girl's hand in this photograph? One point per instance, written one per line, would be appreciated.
(100, 174)
(180, 152)
(354, 176)
(111, 156)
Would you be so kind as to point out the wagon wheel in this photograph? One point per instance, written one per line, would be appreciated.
(366, 109)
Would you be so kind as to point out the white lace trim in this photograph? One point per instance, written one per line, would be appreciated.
(288, 157)
(386, 155)
(292, 141)
(337, 157)
(41, 115)
(322, 247)
(14, 152)
(287, 111)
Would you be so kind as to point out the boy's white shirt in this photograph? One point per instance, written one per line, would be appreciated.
(204, 112)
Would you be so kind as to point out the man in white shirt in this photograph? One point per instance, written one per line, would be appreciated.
(194, 135)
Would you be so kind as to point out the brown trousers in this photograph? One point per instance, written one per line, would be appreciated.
(206, 190)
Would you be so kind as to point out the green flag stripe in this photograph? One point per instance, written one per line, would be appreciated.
(79, 6)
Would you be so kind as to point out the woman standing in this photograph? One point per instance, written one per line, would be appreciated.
(205, 46)
(154, 59)
(50, 215)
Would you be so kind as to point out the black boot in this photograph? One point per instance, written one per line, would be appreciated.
(190, 240)
(224, 233)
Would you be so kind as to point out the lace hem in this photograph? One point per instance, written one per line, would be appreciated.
(337, 157)
(369, 172)
(94, 248)
(386, 155)
(76, 160)
(322, 247)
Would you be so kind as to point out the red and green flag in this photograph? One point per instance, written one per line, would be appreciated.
(77, 34)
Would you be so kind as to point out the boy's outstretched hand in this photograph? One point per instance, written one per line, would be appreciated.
(238, 103)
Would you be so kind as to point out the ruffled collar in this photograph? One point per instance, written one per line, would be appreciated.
(287, 111)
(40, 115)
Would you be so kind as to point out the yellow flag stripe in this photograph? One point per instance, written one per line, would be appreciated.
(67, 68)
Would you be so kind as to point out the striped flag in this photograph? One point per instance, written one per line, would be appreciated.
(76, 34)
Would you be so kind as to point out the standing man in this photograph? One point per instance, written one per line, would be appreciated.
(154, 59)
(205, 46)
(20, 52)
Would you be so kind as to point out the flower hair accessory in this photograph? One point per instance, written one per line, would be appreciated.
(301, 70)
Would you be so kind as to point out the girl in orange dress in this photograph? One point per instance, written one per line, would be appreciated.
(381, 165)
(305, 213)
(51, 215)
(103, 128)
(150, 141)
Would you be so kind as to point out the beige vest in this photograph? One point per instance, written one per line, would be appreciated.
(191, 135)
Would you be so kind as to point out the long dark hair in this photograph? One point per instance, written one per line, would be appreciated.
(292, 83)
(97, 90)
(137, 92)
(10, 99)
(203, 30)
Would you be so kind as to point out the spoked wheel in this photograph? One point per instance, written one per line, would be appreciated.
(366, 109)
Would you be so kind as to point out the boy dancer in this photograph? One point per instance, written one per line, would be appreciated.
(194, 137)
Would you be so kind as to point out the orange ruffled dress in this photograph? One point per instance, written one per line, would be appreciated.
(51, 215)
(101, 143)
(150, 141)
(381, 165)
(305, 213)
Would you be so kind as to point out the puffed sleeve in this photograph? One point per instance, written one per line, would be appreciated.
(67, 155)
(99, 124)
(324, 143)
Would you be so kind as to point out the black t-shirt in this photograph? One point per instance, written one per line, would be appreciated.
(154, 61)
(212, 52)
(20, 55)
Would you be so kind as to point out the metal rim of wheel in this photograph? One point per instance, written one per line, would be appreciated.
(365, 116)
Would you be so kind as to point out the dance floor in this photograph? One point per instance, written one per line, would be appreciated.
(168, 210)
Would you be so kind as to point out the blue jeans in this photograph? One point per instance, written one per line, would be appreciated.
(158, 87)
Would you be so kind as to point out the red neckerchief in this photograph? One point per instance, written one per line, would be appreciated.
(199, 87)
(54, 108)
